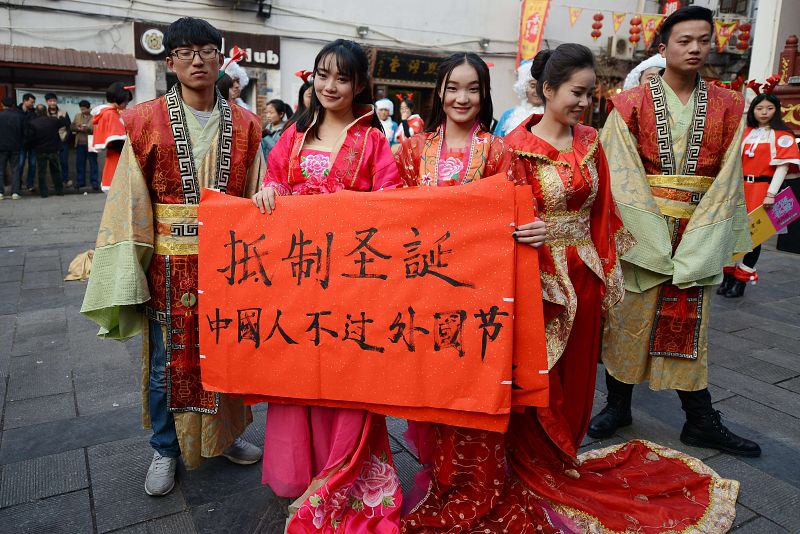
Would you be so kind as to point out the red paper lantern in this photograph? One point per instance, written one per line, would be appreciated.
(636, 21)
(743, 37)
(598, 17)
(635, 30)
(596, 34)
(742, 45)
(597, 25)
(634, 38)
(745, 28)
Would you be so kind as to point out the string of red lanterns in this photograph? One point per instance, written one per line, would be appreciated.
(597, 25)
(635, 30)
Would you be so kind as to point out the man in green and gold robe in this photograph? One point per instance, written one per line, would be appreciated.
(144, 274)
(673, 147)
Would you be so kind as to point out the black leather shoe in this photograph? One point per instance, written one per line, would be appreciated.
(709, 432)
(736, 290)
(605, 424)
(727, 282)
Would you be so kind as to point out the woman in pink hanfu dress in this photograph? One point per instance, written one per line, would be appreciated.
(336, 460)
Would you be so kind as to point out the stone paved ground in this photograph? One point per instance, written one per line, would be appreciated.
(73, 455)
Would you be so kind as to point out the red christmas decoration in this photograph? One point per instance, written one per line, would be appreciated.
(635, 30)
(597, 25)
(743, 39)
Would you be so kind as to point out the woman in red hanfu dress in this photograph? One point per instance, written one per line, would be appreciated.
(769, 156)
(336, 460)
(109, 132)
(634, 487)
(473, 493)
(531, 479)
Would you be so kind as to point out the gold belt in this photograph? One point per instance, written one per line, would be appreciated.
(175, 229)
(567, 228)
(678, 195)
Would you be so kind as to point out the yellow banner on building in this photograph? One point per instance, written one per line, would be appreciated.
(650, 26)
(724, 31)
(531, 28)
(618, 19)
(574, 13)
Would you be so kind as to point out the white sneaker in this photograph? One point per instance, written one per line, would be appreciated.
(16, 196)
(160, 476)
(242, 452)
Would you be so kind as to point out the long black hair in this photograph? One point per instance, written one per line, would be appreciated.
(446, 68)
(557, 66)
(777, 120)
(351, 61)
(301, 105)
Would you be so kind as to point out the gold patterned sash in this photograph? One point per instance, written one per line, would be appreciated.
(175, 229)
(567, 228)
(678, 195)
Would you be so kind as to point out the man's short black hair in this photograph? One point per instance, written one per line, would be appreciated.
(50, 96)
(84, 104)
(28, 96)
(9, 102)
(190, 31)
(682, 15)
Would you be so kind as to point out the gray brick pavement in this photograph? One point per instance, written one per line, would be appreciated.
(73, 455)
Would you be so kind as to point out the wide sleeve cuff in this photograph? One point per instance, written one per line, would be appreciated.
(116, 286)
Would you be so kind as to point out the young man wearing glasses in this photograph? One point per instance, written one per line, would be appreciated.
(144, 278)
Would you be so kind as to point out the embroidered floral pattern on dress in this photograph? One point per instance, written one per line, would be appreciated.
(450, 169)
(317, 174)
(372, 492)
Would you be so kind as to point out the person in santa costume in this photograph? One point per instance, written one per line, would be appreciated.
(769, 156)
(109, 131)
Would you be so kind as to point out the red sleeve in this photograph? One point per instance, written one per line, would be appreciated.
(277, 174)
(382, 164)
(408, 162)
(786, 151)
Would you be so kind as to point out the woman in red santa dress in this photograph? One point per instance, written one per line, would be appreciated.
(769, 156)
(410, 122)
(109, 132)
(531, 479)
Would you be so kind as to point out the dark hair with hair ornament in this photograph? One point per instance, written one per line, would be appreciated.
(117, 94)
(446, 68)
(556, 67)
(777, 120)
(352, 62)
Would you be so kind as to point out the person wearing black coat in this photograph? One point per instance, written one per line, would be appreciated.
(12, 137)
(44, 139)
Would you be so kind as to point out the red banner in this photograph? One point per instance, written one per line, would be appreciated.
(412, 302)
(531, 29)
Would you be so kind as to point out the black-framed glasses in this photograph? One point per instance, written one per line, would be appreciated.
(187, 54)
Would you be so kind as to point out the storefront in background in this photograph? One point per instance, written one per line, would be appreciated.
(73, 75)
(261, 62)
(399, 73)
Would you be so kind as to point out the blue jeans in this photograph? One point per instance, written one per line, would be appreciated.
(64, 159)
(165, 438)
(29, 156)
(81, 155)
